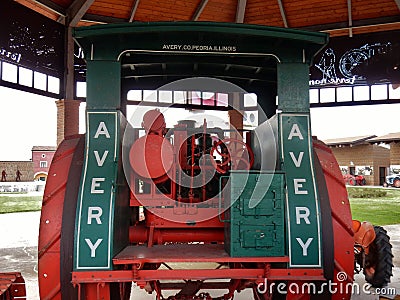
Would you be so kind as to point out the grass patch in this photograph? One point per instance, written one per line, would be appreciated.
(378, 206)
(9, 204)
(366, 193)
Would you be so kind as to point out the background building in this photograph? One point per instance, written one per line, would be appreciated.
(41, 158)
(34, 170)
(393, 141)
(362, 155)
(11, 167)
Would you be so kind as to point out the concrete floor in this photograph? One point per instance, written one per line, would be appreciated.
(18, 252)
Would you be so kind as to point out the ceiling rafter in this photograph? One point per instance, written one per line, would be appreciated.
(392, 20)
(50, 5)
(240, 11)
(350, 18)
(398, 4)
(134, 9)
(199, 10)
(283, 13)
(102, 19)
(77, 10)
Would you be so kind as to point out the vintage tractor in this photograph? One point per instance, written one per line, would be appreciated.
(350, 179)
(193, 210)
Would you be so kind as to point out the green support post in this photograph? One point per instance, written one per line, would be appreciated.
(296, 153)
(293, 88)
(103, 84)
(102, 220)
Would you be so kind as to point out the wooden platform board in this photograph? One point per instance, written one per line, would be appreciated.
(184, 253)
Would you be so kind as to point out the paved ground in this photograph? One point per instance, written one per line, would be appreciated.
(18, 247)
(18, 252)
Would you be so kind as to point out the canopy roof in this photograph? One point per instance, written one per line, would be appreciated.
(338, 17)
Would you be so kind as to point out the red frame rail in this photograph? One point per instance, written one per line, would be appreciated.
(12, 286)
(137, 256)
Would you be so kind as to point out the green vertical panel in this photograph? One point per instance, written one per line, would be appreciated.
(303, 212)
(255, 216)
(122, 211)
(103, 84)
(94, 221)
(293, 87)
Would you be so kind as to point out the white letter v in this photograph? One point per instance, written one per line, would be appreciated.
(297, 161)
(100, 161)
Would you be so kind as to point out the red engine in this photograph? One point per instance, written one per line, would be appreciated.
(179, 173)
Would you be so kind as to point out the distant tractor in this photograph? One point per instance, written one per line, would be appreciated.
(187, 209)
(393, 180)
(354, 179)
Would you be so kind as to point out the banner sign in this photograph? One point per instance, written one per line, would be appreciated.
(79, 64)
(302, 203)
(343, 61)
(31, 40)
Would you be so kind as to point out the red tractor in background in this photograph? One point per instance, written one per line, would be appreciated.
(354, 180)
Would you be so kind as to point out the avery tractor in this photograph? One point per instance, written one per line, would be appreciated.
(185, 208)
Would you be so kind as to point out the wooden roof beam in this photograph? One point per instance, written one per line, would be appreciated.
(199, 10)
(350, 18)
(240, 10)
(356, 24)
(77, 10)
(134, 9)
(398, 3)
(102, 19)
(283, 13)
(50, 6)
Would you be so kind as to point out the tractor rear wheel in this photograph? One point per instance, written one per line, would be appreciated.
(396, 183)
(57, 225)
(335, 212)
(352, 181)
(61, 192)
(336, 228)
(379, 261)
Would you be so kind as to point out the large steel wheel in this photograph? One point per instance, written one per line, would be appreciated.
(337, 232)
(58, 213)
(57, 225)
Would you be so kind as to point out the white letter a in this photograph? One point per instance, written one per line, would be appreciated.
(102, 129)
(295, 131)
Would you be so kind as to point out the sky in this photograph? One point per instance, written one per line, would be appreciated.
(28, 120)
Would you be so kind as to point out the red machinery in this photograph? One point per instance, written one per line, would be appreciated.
(194, 211)
(12, 286)
(171, 178)
(163, 230)
(354, 179)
